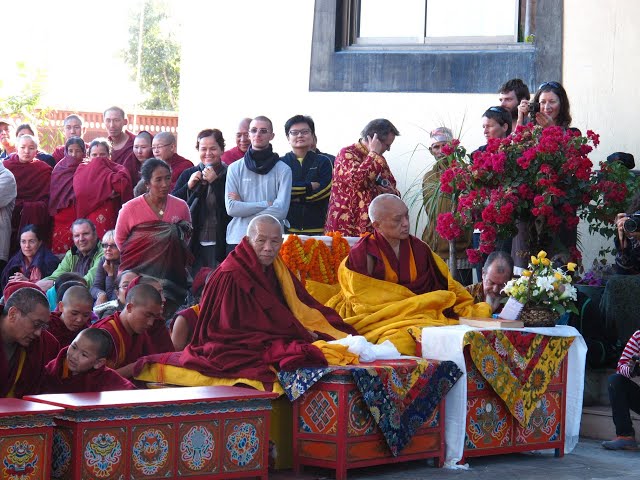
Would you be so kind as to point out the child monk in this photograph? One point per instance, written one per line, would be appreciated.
(81, 367)
(72, 315)
(129, 329)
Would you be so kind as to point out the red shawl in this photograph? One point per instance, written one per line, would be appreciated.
(95, 181)
(58, 379)
(245, 328)
(121, 155)
(428, 278)
(129, 348)
(133, 166)
(159, 249)
(33, 182)
(62, 185)
(58, 329)
(27, 370)
(178, 165)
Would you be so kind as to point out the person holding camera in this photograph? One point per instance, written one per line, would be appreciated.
(202, 187)
(624, 395)
(628, 243)
(549, 107)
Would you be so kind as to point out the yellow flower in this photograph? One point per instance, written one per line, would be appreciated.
(545, 261)
(526, 273)
(558, 276)
(534, 260)
(542, 254)
(571, 266)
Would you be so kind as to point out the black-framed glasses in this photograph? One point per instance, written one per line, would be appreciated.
(109, 245)
(37, 324)
(549, 84)
(295, 133)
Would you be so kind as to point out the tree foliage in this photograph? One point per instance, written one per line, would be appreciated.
(160, 62)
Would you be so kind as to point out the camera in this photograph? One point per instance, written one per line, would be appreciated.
(632, 223)
(634, 365)
(383, 182)
(534, 107)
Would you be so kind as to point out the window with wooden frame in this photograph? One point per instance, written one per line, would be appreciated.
(452, 46)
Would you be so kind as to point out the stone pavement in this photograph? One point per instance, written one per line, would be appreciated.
(588, 461)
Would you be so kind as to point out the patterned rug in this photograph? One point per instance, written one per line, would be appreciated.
(517, 365)
(400, 394)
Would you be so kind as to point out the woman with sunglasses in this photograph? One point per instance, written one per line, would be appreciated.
(554, 106)
(103, 288)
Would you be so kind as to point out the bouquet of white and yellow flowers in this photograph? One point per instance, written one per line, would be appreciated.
(542, 286)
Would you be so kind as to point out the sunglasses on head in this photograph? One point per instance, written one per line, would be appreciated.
(497, 109)
(549, 84)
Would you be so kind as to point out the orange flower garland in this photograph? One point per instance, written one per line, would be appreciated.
(314, 259)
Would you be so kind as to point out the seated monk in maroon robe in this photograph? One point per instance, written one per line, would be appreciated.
(393, 285)
(72, 315)
(81, 366)
(25, 346)
(255, 318)
(129, 329)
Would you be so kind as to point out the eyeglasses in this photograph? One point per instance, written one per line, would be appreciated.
(295, 133)
(497, 109)
(37, 324)
(158, 147)
(261, 131)
(109, 245)
(549, 84)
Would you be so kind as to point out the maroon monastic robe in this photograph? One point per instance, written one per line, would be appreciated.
(58, 379)
(245, 327)
(129, 348)
(121, 155)
(178, 165)
(33, 182)
(26, 368)
(58, 329)
(232, 155)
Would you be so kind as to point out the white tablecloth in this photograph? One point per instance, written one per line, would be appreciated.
(445, 343)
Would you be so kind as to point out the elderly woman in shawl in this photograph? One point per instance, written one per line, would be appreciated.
(33, 179)
(33, 262)
(152, 234)
(101, 187)
(62, 198)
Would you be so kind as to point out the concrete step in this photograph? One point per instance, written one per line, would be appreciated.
(595, 386)
(597, 422)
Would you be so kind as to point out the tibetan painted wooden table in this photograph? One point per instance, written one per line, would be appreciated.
(522, 390)
(191, 432)
(26, 432)
(369, 414)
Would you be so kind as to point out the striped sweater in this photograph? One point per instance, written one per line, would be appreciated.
(631, 348)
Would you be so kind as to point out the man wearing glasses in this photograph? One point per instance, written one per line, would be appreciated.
(311, 183)
(164, 147)
(26, 346)
(257, 184)
(497, 271)
(242, 143)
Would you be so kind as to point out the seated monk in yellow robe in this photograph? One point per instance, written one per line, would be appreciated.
(255, 318)
(392, 283)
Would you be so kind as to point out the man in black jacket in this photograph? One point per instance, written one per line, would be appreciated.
(312, 174)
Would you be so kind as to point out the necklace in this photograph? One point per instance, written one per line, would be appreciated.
(153, 206)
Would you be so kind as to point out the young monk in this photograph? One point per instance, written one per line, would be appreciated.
(81, 366)
(73, 314)
(129, 329)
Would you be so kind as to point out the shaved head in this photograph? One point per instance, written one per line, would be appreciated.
(390, 216)
(77, 295)
(165, 137)
(265, 236)
(100, 338)
(144, 295)
(381, 204)
(265, 219)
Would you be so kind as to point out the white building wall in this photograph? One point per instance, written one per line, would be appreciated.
(250, 57)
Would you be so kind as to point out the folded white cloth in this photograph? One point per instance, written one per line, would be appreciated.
(368, 352)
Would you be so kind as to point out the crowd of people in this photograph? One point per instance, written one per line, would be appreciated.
(119, 256)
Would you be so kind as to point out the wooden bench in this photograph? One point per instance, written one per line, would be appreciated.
(26, 432)
(194, 432)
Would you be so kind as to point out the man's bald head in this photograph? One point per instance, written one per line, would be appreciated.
(163, 145)
(265, 236)
(144, 295)
(390, 216)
